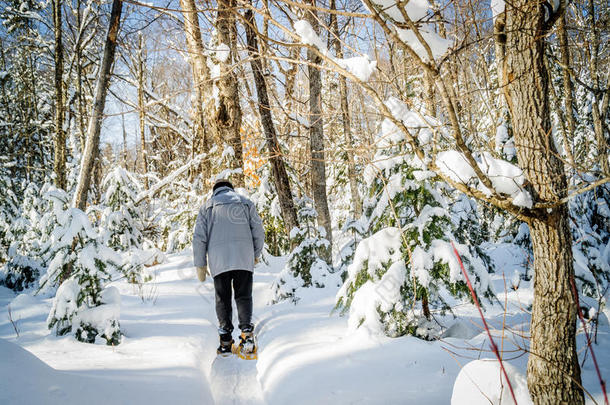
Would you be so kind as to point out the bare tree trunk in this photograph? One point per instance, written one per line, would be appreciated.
(82, 125)
(553, 370)
(125, 162)
(59, 164)
(568, 90)
(280, 177)
(201, 77)
(290, 75)
(142, 109)
(598, 125)
(316, 138)
(345, 118)
(91, 151)
(227, 116)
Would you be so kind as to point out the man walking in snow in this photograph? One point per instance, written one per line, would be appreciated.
(228, 239)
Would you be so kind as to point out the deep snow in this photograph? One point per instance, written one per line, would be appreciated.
(306, 355)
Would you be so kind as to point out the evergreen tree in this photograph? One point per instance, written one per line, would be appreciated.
(305, 267)
(81, 264)
(407, 267)
(180, 205)
(590, 215)
(122, 219)
(267, 204)
(25, 263)
(26, 120)
(8, 212)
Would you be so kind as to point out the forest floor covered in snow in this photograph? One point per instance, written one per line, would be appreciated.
(306, 356)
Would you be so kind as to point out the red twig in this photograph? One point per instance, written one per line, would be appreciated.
(494, 348)
(584, 327)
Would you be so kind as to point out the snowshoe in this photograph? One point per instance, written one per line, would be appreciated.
(247, 346)
(225, 349)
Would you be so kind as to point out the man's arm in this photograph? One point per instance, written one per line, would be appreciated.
(258, 232)
(200, 239)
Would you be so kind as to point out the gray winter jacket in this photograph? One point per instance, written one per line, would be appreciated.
(228, 234)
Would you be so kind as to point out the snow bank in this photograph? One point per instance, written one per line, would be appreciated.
(27, 379)
(481, 382)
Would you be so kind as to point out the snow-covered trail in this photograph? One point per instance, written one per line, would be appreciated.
(231, 379)
(168, 341)
(306, 356)
(167, 354)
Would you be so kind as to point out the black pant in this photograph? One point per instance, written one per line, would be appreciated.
(242, 285)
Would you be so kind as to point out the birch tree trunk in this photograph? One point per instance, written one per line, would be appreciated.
(345, 117)
(280, 176)
(553, 371)
(316, 137)
(59, 162)
(91, 150)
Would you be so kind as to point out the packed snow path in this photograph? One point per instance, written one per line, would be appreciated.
(233, 381)
(306, 356)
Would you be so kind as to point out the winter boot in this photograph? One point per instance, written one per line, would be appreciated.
(247, 346)
(226, 346)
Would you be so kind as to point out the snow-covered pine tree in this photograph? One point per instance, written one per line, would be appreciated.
(81, 264)
(181, 204)
(407, 267)
(590, 213)
(24, 262)
(469, 227)
(26, 121)
(356, 230)
(122, 219)
(123, 224)
(267, 204)
(8, 212)
(304, 267)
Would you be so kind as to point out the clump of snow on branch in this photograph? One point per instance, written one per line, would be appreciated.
(497, 8)
(505, 177)
(505, 146)
(360, 66)
(438, 45)
(420, 126)
(222, 52)
(419, 12)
